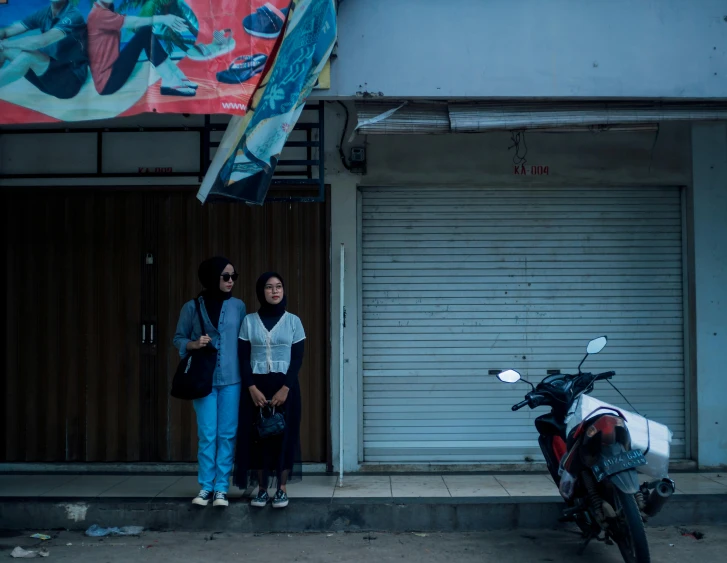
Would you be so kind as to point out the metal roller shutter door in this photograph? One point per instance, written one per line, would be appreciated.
(458, 282)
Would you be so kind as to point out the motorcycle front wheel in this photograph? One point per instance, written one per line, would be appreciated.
(630, 535)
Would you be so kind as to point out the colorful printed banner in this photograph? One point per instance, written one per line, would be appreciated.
(245, 162)
(73, 60)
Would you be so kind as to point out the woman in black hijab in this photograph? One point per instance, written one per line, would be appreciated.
(271, 354)
(217, 413)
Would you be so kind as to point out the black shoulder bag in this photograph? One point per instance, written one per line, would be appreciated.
(193, 378)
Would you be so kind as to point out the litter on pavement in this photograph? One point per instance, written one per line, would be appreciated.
(20, 553)
(96, 531)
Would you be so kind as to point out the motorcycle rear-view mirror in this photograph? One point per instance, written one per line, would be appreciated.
(509, 376)
(596, 345)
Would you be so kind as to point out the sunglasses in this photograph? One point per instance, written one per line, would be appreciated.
(227, 277)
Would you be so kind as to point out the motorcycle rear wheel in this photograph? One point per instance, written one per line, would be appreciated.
(630, 535)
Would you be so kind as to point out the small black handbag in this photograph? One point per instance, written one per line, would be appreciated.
(270, 423)
(193, 378)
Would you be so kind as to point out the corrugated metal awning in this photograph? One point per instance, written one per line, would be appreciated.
(405, 118)
(476, 117)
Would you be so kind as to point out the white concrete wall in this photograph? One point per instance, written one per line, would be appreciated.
(531, 48)
(618, 158)
(709, 143)
(75, 153)
(344, 222)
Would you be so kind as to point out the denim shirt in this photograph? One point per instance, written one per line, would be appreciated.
(224, 337)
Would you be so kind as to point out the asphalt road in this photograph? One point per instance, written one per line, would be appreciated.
(668, 545)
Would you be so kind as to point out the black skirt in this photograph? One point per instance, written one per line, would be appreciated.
(271, 456)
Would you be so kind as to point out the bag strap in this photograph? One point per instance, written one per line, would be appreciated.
(199, 316)
(270, 408)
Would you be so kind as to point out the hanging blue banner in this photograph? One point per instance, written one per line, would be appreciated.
(245, 162)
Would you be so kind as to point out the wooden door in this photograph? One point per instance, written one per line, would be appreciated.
(72, 320)
(288, 238)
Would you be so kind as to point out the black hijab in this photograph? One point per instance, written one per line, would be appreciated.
(209, 275)
(268, 309)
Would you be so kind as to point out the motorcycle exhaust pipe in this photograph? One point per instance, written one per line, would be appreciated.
(658, 497)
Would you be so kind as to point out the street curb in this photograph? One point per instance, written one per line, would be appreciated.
(325, 514)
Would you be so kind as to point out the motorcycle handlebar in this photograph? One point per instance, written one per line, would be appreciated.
(534, 399)
(520, 405)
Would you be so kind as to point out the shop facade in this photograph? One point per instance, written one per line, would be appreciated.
(499, 225)
(467, 251)
(457, 268)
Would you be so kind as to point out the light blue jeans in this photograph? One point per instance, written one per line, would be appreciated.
(217, 415)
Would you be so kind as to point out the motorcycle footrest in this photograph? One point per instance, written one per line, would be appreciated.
(569, 514)
(572, 511)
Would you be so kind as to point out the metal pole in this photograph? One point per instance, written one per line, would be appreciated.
(342, 322)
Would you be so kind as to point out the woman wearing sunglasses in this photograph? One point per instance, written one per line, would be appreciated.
(217, 414)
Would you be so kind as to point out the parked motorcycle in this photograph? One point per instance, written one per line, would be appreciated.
(593, 451)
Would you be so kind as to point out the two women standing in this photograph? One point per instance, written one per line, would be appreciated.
(262, 351)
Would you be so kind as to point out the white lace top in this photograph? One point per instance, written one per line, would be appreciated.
(270, 350)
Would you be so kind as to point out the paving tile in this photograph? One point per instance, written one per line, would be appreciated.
(362, 486)
(528, 485)
(31, 485)
(233, 492)
(717, 477)
(140, 486)
(188, 487)
(250, 492)
(185, 487)
(474, 486)
(314, 486)
(86, 486)
(418, 486)
(698, 484)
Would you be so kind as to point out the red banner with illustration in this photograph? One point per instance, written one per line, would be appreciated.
(75, 60)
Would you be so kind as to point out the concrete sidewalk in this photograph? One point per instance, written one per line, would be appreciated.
(395, 486)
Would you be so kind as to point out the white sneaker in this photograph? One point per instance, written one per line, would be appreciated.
(221, 499)
(203, 498)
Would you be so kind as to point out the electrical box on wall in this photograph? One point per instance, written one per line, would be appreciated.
(358, 160)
